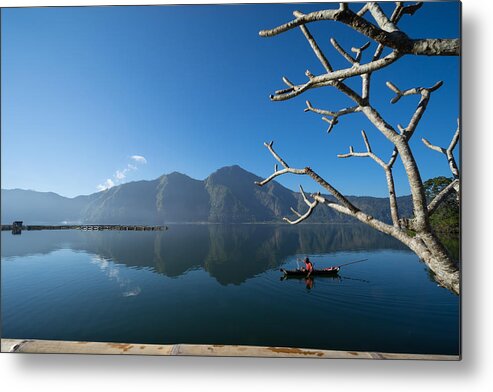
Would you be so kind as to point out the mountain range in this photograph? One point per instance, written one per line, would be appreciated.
(228, 195)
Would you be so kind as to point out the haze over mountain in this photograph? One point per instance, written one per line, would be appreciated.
(228, 195)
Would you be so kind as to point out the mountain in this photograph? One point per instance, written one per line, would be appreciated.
(38, 207)
(234, 197)
(228, 195)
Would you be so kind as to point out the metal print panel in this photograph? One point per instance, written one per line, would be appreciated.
(276, 180)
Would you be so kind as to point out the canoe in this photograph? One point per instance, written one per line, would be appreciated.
(316, 272)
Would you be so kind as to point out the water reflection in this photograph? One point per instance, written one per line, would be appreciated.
(158, 287)
(113, 272)
(230, 253)
(310, 281)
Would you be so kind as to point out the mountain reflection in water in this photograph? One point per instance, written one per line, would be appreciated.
(229, 253)
(221, 284)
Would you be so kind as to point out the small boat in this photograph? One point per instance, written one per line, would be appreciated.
(316, 272)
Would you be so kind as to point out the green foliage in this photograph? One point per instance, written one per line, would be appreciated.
(446, 219)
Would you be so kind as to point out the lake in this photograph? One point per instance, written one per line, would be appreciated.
(221, 284)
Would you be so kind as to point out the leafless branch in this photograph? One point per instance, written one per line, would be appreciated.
(328, 79)
(412, 8)
(277, 172)
(366, 78)
(295, 90)
(383, 22)
(306, 215)
(435, 203)
(394, 211)
(359, 51)
(325, 62)
(449, 151)
(386, 36)
(368, 153)
(411, 91)
(403, 149)
(332, 122)
(295, 212)
(287, 82)
(363, 217)
(306, 171)
(343, 53)
(335, 115)
(316, 49)
(408, 132)
(363, 10)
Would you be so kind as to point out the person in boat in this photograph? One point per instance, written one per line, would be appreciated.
(308, 266)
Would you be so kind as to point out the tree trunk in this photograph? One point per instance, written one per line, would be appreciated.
(425, 244)
(386, 33)
(445, 269)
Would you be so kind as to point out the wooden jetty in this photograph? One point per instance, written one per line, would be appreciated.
(70, 347)
(16, 228)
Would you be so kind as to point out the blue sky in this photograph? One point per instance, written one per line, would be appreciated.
(95, 96)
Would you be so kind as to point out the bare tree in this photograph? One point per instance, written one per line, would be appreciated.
(417, 232)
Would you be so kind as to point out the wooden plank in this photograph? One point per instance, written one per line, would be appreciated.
(71, 347)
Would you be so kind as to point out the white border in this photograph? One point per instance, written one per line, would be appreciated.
(90, 373)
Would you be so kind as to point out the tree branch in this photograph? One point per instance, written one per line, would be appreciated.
(435, 203)
(366, 78)
(383, 22)
(316, 49)
(448, 152)
(392, 39)
(343, 53)
(306, 215)
(399, 140)
(363, 10)
(325, 62)
(306, 171)
(277, 172)
(394, 211)
(412, 91)
(365, 218)
(335, 115)
(408, 132)
(368, 153)
(359, 51)
(329, 78)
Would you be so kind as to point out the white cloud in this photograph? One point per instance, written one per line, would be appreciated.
(106, 185)
(139, 159)
(120, 175)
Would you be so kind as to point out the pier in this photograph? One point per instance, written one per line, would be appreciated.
(71, 347)
(16, 228)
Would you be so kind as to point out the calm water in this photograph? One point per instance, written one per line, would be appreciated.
(217, 284)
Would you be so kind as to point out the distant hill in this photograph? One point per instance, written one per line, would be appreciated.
(39, 207)
(228, 195)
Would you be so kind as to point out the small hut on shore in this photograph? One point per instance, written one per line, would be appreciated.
(17, 227)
